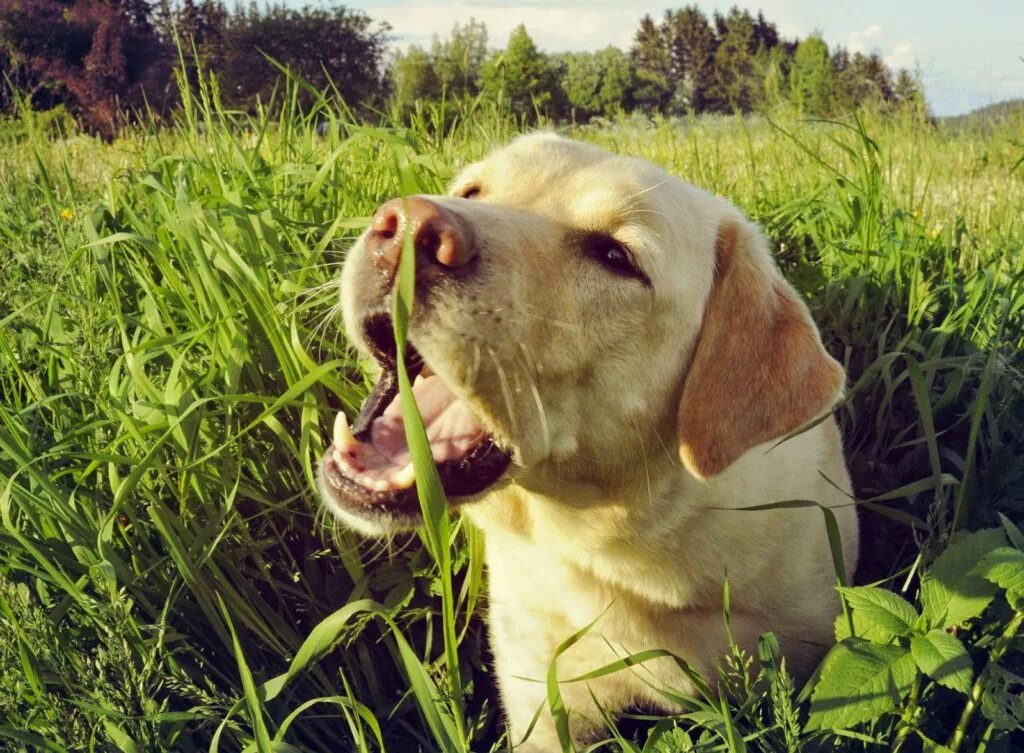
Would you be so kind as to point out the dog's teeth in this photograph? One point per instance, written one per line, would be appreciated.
(404, 478)
(369, 482)
(343, 437)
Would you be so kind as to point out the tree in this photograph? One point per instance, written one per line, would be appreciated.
(101, 58)
(810, 77)
(413, 78)
(652, 61)
(521, 76)
(323, 46)
(861, 80)
(909, 93)
(736, 83)
(598, 83)
(458, 61)
(692, 44)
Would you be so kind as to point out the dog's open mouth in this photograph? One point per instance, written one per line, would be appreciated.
(368, 466)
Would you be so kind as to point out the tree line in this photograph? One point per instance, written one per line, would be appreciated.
(684, 63)
(107, 60)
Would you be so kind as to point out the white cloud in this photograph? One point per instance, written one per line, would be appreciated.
(872, 39)
(857, 41)
(902, 55)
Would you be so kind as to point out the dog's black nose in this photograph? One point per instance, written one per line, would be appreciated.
(439, 236)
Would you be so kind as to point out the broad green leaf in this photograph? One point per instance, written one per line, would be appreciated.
(950, 592)
(860, 681)
(878, 615)
(943, 658)
(1004, 567)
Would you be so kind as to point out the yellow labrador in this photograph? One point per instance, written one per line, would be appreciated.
(608, 361)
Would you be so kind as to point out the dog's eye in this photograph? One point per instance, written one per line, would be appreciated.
(469, 192)
(612, 255)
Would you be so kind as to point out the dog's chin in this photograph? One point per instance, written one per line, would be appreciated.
(366, 475)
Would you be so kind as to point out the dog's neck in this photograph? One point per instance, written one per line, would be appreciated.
(624, 534)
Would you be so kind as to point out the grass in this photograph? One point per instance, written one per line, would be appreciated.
(171, 360)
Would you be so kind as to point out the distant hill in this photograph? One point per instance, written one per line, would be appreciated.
(997, 112)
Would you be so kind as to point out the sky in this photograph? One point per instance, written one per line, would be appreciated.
(969, 53)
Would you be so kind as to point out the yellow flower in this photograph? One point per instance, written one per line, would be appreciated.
(67, 214)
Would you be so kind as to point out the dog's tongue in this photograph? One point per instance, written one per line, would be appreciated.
(384, 462)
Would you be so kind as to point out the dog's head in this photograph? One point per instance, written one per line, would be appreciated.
(573, 308)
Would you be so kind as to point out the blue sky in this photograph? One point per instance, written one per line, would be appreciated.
(969, 53)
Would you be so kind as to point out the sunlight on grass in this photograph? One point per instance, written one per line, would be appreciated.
(171, 361)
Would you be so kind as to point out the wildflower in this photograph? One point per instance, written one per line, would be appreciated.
(67, 214)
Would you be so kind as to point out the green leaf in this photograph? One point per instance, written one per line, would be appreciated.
(1003, 703)
(860, 681)
(666, 737)
(252, 699)
(943, 658)
(1004, 567)
(878, 615)
(1013, 533)
(120, 737)
(950, 592)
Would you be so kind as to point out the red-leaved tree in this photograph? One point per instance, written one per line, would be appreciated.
(101, 57)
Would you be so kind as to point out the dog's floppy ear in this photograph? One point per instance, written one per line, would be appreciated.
(759, 371)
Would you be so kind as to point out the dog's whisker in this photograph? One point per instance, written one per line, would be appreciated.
(474, 369)
(505, 391)
(324, 322)
(313, 291)
(650, 188)
(647, 467)
(542, 414)
(644, 210)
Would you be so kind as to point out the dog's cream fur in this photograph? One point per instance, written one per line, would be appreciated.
(640, 417)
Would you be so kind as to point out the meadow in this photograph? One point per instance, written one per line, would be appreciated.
(171, 361)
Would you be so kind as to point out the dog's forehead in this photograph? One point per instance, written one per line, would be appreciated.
(577, 181)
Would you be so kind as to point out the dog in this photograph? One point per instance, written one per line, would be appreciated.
(609, 367)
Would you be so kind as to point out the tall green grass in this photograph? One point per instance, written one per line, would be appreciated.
(171, 359)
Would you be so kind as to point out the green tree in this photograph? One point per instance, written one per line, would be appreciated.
(521, 77)
(810, 77)
(413, 78)
(458, 61)
(598, 83)
(861, 80)
(652, 61)
(692, 44)
(736, 80)
(908, 92)
(321, 45)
